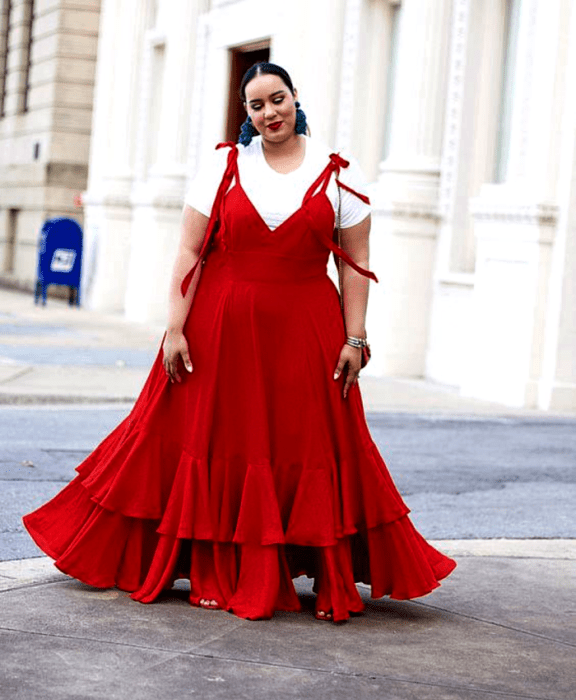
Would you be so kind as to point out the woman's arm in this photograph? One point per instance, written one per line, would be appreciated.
(193, 229)
(354, 241)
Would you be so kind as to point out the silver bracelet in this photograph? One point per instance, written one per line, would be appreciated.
(356, 342)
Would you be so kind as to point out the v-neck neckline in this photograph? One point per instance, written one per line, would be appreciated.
(259, 216)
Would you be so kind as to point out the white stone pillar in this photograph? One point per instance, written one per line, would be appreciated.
(157, 195)
(515, 221)
(308, 43)
(405, 197)
(557, 386)
(350, 51)
(108, 214)
(468, 161)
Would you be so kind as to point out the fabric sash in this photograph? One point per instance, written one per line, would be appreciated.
(214, 220)
(334, 166)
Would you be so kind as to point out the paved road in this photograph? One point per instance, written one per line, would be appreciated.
(76, 356)
(462, 478)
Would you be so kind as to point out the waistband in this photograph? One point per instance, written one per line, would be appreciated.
(258, 266)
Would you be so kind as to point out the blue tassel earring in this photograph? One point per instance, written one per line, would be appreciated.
(247, 132)
(301, 125)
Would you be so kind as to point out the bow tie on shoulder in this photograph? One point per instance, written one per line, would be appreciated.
(337, 162)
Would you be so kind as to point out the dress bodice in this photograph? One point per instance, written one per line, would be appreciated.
(297, 249)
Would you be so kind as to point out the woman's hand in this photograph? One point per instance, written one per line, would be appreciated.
(353, 358)
(174, 347)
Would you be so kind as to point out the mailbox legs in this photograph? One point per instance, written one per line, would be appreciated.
(41, 290)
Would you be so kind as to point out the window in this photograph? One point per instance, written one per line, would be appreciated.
(5, 11)
(10, 247)
(241, 59)
(26, 54)
(506, 99)
(395, 11)
(155, 104)
(15, 60)
(152, 19)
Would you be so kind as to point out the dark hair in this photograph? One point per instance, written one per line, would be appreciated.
(263, 68)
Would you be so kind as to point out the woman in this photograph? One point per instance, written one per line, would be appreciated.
(246, 460)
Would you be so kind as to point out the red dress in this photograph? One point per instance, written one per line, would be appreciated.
(254, 470)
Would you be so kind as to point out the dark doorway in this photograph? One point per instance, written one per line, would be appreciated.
(241, 58)
(10, 244)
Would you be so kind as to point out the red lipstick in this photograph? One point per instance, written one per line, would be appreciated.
(275, 125)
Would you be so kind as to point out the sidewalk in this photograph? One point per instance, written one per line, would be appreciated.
(502, 626)
(62, 354)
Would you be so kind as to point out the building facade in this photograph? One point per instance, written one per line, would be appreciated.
(462, 115)
(47, 66)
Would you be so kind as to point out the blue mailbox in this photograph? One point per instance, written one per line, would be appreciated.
(59, 258)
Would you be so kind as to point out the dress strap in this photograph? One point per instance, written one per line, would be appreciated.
(363, 197)
(329, 243)
(230, 173)
(334, 166)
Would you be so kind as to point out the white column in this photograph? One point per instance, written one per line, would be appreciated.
(108, 209)
(516, 221)
(350, 50)
(157, 195)
(405, 198)
(557, 386)
(468, 161)
(308, 43)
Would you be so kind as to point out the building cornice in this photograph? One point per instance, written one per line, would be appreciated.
(407, 210)
(535, 214)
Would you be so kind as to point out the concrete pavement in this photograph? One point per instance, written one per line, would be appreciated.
(502, 626)
(62, 354)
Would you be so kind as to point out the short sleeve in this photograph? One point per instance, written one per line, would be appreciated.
(353, 209)
(202, 189)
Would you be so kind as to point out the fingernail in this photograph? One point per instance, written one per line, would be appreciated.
(335, 375)
(189, 368)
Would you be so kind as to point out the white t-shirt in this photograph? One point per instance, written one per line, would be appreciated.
(278, 195)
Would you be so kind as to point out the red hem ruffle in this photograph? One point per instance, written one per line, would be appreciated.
(104, 549)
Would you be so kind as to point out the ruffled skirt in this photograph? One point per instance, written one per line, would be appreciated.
(251, 472)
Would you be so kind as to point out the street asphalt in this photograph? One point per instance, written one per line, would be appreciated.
(462, 478)
(493, 486)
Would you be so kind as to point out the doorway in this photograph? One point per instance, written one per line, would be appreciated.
(241, 58)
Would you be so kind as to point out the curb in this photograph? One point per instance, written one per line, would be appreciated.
(19, 573)
(55, 399)
(19, 399)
